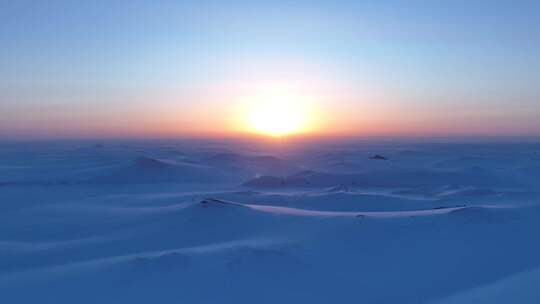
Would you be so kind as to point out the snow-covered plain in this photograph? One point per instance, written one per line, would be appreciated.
(243, 222)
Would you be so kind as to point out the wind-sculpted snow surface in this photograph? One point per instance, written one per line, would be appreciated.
(245, 222)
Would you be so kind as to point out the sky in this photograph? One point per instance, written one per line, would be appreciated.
(190, 68)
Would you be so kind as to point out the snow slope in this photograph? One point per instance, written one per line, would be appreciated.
(237, 222)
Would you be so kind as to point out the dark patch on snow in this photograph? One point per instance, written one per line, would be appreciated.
(266, 181)
(446, 207)
(148, 162)
(205, 203)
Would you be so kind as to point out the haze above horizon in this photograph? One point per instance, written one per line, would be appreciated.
(160, 69)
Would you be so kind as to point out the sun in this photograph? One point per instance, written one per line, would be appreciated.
(278, 116)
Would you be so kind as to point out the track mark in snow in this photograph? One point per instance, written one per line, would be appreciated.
(90, 265)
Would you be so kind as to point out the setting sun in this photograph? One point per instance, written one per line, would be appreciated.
(277, 116)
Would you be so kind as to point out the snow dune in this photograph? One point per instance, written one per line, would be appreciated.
(372, 214)
(238, 222)
(385, 178)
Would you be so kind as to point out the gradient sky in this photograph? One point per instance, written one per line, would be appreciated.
(181, 68)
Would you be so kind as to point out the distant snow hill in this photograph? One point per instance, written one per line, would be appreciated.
(140, 170)
(382, 178)
(150, 170)
(251, 165)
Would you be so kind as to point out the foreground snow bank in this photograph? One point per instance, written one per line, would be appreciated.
(521, 288)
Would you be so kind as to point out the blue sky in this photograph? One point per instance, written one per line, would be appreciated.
(151, 68)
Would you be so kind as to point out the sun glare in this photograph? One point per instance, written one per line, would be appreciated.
(278, 116)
